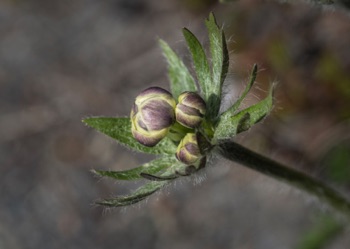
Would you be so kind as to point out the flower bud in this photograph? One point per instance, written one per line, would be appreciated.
(152, 115)
(188, 150)
(190, 110)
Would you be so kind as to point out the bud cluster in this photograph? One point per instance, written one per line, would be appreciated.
(155, 112)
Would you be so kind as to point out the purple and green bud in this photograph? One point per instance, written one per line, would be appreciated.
(188, 151)
(152, 115)
(190, 110)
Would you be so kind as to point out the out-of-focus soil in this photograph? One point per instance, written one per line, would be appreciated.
(61, 61)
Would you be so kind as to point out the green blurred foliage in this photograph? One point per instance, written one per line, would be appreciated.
(331, 71)
(322, 233)
(337, 163)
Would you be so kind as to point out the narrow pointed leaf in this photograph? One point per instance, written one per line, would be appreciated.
(219, 56)
(120, 130)
(200, 63)
(137, 196)
(245, 119)
(158, 178)
(151, 167)
(233, 109)
(180, 78)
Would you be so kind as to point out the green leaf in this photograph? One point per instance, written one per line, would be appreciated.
(219, 58)
(178, 169)
(231, 111)
(146, 190)
(139, 195)
(158, 178)
(120, 130)
(169, 174)
(229, 126)
(200, 63)
(180, 78)
(151, 167)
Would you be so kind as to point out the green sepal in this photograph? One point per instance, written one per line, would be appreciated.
(200, 62)
(245, 119)
(180, 78)
(151, 167)
(219, 59)
(120, 130)
(140, 194)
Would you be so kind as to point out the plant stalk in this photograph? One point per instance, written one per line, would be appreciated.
(239, 154)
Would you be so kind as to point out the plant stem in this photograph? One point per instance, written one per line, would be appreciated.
(237, 153)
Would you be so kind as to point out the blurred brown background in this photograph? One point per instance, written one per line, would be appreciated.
(63, 60)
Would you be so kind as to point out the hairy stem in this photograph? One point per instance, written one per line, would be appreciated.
(237, 153)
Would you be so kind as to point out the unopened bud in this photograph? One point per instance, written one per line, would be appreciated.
(152, 114)
(188, 151)
(190, 110)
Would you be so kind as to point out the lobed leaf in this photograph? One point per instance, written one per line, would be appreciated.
(219, 59)
(229, 126)
(180, 78)
(157, 182)
(169, 174)
(140, 194)
(120, 130)
(231, 111)
(151, 167)
(200, 63)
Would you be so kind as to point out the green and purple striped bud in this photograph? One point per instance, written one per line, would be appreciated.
(190, 110)
(152, 115)
(188, 151)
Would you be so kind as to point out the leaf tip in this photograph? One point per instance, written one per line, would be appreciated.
(84, 120)
(161, 42)
(106, 203)
(255, 69)
(89, 120)
(95, 172)
(212, 18)
(273, 88)
(186, 31)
